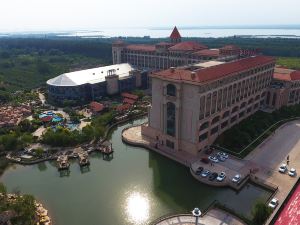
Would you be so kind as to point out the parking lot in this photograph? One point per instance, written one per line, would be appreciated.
(264, 161)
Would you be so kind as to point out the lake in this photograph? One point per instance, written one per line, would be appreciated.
(135, 187)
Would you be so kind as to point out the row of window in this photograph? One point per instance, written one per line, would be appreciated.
(231, 94)
(224, 124)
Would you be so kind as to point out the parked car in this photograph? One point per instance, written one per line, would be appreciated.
(213, 159)
(221, 158)
(223, 154)
(292, 172)
(236, 178)
(205, 173)
(221, 176)
(213, 176)
(273, 203)
(282, 168)
(199, 170)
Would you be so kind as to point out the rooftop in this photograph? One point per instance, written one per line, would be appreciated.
(188, 46)
(285, 74)
(208, 52)
(214, 72)
(175, 34)
(90, 76)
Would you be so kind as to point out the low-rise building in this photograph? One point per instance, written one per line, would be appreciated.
(92, 84)
(284, 89)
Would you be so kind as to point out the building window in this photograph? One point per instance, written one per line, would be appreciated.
(224, 124)
(214, 130)
(170, 144)
(235, 109)
(171, 119)
(171, 90)
(226, 114)
(215, 120)
(233, 119)
(203, 137)
(204, 126)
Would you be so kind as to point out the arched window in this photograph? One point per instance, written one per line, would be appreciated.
(215, 120)
(243, 105)
(226, 114)
(171, 90)
(171, 119)
(250, 101)
(204, 126)
(257, 97)
(235, 109)
(274, 99)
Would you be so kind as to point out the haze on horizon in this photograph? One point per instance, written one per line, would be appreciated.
(61, 15)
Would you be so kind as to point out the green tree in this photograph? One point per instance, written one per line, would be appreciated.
(261, 213)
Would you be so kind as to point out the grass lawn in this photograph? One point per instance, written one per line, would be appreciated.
(254, 130)
(289, 62)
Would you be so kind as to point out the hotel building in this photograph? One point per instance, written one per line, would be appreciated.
(170, 54)
(194, 104)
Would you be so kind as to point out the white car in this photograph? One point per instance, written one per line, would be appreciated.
(223, 154)
(273, 203)
(205, 173)
(292, 172)
(221, 176)
(236, 178)
(282, 168)
(213, 159)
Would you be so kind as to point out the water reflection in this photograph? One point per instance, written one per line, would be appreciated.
(137, 208)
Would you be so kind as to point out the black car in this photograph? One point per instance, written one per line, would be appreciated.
(199, 170)
(213, 176)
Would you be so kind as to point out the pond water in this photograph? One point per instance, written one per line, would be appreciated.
(135, 187)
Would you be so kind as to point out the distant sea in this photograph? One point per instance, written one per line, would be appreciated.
(280, 31)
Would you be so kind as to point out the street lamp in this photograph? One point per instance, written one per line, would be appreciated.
(196, 213)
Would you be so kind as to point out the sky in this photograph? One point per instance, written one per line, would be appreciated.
(55, 15)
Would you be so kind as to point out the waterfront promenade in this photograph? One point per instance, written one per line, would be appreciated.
(212, 217)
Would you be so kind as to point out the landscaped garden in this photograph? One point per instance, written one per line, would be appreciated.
(242, 138)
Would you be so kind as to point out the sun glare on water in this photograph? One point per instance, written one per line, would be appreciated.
(137, 208)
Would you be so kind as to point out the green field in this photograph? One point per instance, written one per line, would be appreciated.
(289, 62)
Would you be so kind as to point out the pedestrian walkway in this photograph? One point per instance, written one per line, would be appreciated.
(213, 217)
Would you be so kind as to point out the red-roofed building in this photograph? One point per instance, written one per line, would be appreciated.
(194, 104)
(96, 107)
(164, 55)
(284, 89)
(175, 36)
(130, 96)
(124, 107)
(129, 101)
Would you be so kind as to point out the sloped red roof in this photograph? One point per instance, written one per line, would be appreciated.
(47, 119)
(295, 75)
(175, 34)
(188, 46)
(129, 101)
(130, 96)
(208, 52)
(123, 107)
(286, 76)
(216, 72)
(141, 47)
(96, 106)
